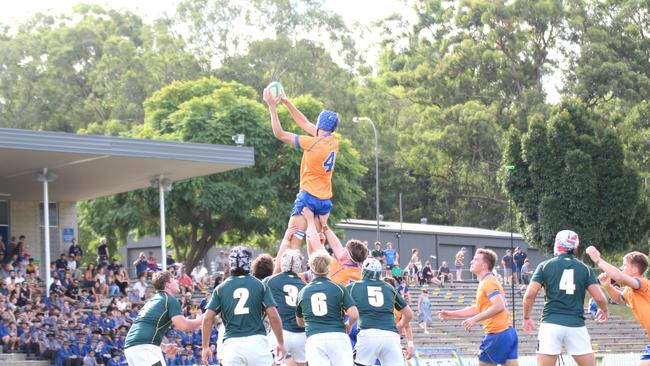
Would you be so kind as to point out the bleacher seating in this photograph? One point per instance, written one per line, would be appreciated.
(618, 335)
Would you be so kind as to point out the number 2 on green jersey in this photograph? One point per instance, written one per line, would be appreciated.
(241, 294)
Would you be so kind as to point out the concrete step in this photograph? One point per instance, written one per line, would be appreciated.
(11, 357)
(25, 363)
(19, 359)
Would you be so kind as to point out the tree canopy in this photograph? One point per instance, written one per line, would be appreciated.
(229, 207)
(460, 89)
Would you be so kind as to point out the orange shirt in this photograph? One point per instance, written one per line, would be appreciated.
(639, 302)
(343, 274)
(488, 288)
(317, 165)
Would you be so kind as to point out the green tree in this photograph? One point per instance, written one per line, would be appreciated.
(570, 173)
(98, 64)
(303, 67)
(613, 57)
(211, 24)
(230, 207)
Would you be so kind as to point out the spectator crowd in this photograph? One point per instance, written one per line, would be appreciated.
(85, 318)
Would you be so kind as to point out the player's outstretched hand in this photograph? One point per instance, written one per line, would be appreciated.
(205, 356)
(593, 253)
(602, 316)
(288, 234)
(309, 215)
(279, 353)
(170, 350)
(444, 315)
(604, 279)
(529, 326)
(469, 323)
(409, 353)
(268, 98)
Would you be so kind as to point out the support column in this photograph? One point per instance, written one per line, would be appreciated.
(164, 185)
(163, 244)
(46, 177)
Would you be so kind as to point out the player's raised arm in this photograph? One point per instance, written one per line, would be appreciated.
(300, 118)
(278, 132)
(339, 251)
(613, 272)
(286, 242)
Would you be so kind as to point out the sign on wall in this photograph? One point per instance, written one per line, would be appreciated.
(68, 234)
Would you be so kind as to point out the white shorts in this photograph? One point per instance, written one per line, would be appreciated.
(329, 349)
(294, 344)
(373, 344)
(551, 337)
(221, 330)
(246, 351)
(144, 354)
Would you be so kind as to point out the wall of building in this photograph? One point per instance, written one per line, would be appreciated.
(24, 219)
(443, 247)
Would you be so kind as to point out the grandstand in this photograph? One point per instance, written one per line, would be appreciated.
(618, 335)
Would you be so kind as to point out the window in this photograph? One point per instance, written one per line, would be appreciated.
(54, 214)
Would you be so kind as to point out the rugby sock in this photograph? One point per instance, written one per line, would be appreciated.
(299, 234)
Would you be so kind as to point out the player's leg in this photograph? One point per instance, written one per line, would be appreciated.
(578, 345)
(315, 349)
(549, 343)
(299, 222)
(585, 360)
(294, 343)
(546, 360)
(365, 349)
(645, 358)
(339, 350)
(234, 354)
(390, 351)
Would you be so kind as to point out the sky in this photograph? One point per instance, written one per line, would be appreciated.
(364, 12)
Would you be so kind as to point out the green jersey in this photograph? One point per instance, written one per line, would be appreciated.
(285, 287)
(379, 254)
(375, 301)
(322, 304)
(242, 300)
(153, 320)
(565, 280)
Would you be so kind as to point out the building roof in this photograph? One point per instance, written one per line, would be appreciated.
(89, 166)
(406, 227)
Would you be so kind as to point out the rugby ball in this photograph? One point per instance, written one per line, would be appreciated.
(276, 89)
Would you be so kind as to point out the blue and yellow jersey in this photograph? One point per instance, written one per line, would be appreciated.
(639, 302)
(487, 289)
(317, 165)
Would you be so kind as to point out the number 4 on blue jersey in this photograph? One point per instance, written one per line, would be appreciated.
(329, 162)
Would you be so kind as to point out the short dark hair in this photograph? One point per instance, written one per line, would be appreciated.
(262, 266)
(489, 256)
(358, 250)
(160, 279)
